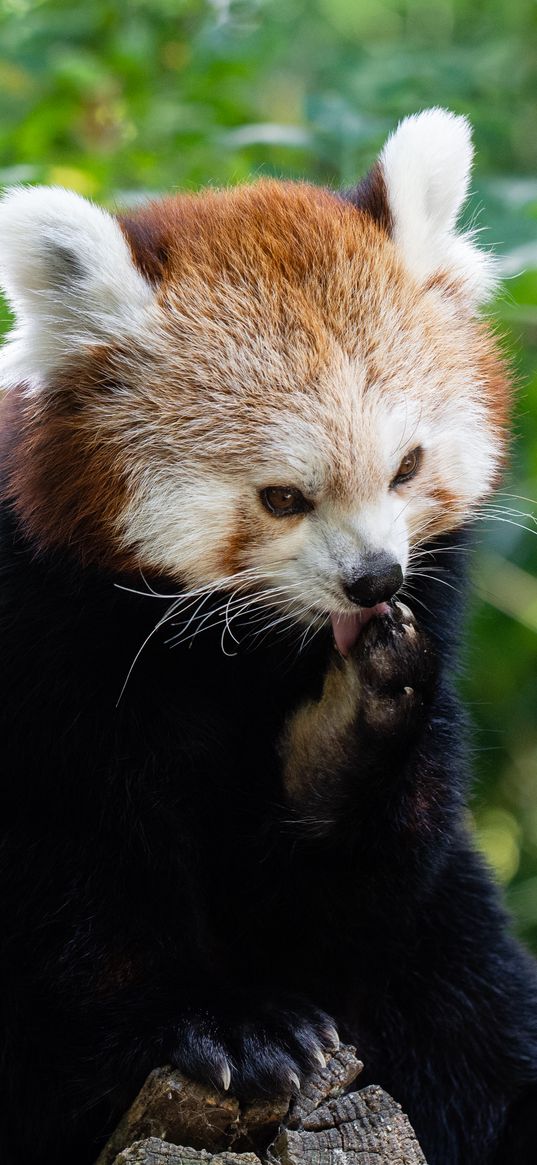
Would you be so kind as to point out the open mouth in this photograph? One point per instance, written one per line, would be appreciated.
(347, 629)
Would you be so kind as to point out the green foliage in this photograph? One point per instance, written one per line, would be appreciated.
(118, 99)
(148, 94)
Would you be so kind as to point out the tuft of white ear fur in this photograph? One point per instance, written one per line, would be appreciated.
(426, 164)
(68, 274)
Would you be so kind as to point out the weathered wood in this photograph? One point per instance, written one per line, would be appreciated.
(342, 1069)
(362, 1128)
(157, 1152)
(258, 1124)
(172, 1108)
(176, 1122)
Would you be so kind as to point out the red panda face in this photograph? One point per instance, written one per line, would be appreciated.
(270, 388)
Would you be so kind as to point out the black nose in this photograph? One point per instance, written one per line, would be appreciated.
(376, 587)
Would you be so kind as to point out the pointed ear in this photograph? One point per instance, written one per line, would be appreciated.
(421, 182)
(69, 276)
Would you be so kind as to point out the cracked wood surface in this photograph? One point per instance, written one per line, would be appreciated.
(157, 1152)
(174, 1121)
(362, 1128)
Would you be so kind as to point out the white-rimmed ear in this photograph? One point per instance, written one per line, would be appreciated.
(68, 274)
(426, 166)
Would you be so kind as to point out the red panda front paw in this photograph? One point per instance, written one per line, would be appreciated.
(397, 668)
(265, 1053)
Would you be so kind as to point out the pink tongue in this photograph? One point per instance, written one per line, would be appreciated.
(346, 628)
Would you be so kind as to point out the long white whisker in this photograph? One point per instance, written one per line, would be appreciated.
(426, 573)
(235, 604)
(169, 614)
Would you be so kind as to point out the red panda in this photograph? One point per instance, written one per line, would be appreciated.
(237, 425)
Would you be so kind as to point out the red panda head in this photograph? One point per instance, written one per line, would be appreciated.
(274, 384)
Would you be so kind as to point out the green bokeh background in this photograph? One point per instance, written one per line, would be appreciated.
(117, 100)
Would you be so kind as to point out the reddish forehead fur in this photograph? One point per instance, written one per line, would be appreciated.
(312, 270)
(286, 228)
(319, 270)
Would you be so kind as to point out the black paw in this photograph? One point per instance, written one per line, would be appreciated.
(397, 667)
(265, 1053)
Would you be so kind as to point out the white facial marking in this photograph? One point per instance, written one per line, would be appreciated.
(180, 524)
(184, 520)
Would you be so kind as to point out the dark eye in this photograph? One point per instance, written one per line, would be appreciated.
(284, 500)
(408, 467)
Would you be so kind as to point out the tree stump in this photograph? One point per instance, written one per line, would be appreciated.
(174, 1121)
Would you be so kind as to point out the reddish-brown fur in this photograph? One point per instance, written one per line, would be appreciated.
(294, 269)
